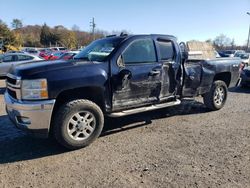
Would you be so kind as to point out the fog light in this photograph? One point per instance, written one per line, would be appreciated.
(23, 120)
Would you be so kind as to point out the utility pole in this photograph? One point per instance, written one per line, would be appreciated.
(248, 40)
(93, 26)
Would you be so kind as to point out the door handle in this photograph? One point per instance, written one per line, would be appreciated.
(154, 72)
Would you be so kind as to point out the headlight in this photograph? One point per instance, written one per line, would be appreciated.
(34, 89)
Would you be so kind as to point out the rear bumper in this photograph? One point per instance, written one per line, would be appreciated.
(33, 117)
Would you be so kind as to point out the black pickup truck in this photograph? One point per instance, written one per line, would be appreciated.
(114, 76)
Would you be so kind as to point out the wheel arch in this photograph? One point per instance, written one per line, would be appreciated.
(93, 93)
(223, 76)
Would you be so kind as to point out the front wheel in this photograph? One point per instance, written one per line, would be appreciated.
(78, 123)
(216, 98)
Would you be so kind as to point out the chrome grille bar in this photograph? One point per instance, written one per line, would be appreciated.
(15, 86)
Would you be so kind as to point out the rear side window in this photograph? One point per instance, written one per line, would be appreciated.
(167, 51)
(140, 51)
(24, 58)
(8, 58)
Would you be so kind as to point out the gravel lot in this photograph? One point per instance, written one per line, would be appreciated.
(174, 147)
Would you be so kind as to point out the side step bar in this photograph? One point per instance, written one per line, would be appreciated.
(145, 109)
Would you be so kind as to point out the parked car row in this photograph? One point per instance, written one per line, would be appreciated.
(245, 57)
(230, 53)
(12, 58)
(54, 55)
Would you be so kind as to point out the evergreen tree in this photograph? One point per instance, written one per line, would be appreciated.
(17, 24)
(45, 35)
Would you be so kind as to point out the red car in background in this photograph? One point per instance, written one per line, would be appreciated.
(68, 55)
(55, 55)
(52, 53)
(45, 53)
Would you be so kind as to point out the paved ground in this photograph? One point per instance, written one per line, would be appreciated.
(174, 147)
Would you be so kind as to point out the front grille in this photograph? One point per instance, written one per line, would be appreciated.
(13, 84)
(11, 80)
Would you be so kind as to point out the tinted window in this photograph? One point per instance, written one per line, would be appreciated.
(140, 51)
(24, 57)
(7, 58)
(166, 50)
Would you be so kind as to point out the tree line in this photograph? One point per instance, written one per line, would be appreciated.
(44, 36)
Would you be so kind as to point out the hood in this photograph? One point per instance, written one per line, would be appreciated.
(32, 68)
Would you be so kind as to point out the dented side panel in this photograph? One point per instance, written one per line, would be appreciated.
(139, 89)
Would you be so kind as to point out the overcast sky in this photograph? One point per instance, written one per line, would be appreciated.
(186, 19)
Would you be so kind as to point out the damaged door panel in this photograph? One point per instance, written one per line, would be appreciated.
(192, 81)
(168, 58)
(139, 81)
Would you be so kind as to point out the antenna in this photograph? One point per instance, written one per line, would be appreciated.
(93, 26)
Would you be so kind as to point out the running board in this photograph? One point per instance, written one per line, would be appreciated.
(145, 109)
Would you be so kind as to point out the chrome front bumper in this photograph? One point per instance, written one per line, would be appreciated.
(32, 116)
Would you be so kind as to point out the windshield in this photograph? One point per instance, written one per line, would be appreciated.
(99, 50)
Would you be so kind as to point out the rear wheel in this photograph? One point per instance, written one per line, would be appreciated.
(216, 98)
(78, 123)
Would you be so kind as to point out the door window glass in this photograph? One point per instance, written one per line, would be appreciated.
(167, 51)
(140, 51)
(24, 57)
(7, 58)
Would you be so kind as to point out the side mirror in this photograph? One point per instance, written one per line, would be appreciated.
(120, 61)
(184, 51)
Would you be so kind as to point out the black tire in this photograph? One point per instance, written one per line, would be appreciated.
(213, 101)
(66, 114)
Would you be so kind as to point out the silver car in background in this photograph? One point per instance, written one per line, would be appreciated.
(10, 59)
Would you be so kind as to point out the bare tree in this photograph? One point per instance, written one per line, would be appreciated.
(232, 43)
(75, 28)
(222, 41)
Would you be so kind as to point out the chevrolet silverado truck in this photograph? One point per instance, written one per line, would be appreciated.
(114, 76)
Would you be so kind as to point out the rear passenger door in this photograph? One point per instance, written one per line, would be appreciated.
(170, 66)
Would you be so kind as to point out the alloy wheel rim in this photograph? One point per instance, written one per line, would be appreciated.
(81, 125)
(219, 96)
